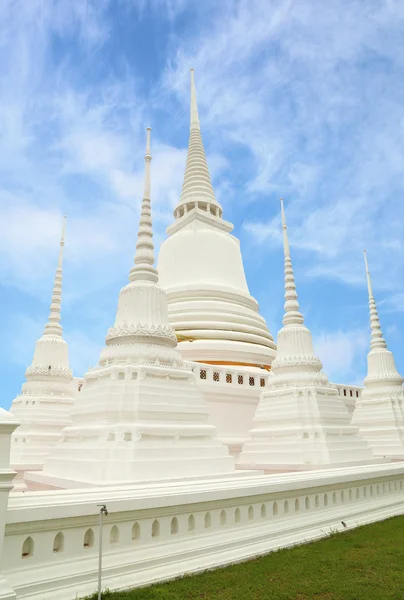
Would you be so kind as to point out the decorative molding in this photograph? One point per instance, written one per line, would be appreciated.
(46, 371)
(301, 361)
(140, 330)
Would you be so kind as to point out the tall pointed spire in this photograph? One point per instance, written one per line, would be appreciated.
(377, 340)
(144, 257)
(53, 326)
(194, 105)
(197, 190)
(292, 314)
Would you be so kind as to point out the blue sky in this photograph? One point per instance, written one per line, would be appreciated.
(297, 99)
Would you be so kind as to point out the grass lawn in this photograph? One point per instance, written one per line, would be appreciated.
(363, 564)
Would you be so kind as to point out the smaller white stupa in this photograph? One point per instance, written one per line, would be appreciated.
(44, 405)
(140, 415)
(379, 412)
(300, 422)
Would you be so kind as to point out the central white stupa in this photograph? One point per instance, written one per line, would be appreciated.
(140, 415)
(201, 268)
(300, 422)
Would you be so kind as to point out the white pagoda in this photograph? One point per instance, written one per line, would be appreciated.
(201, 268)
(140, 415)
(47, 397)
(301, 422)
(379, 413)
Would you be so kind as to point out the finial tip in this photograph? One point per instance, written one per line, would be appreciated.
(148, 130)
(283, 217)
(62, 238)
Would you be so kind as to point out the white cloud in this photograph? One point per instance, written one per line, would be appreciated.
(343, 354)
(26, 329)
(394, 303)
(314, 94)
(29, 238)
(305, 100)
(74, 149)
(84, 352)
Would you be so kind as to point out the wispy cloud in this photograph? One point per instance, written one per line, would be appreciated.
(72, 135)
(83, 351)
(302, 100)
(72, 146)
(343, 355)
(313, 93)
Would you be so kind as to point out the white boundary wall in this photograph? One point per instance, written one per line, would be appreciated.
(156, 532)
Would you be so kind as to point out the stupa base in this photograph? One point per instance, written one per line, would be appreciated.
(40, 481)
(385, 441)
(6, 592)
(385, 450)
(269, 468)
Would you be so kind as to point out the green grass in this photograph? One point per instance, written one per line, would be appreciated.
(363, 564)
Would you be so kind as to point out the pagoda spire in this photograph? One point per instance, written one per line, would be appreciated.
(292, 314)
(53, 326)
(194, 105)
(144, 256)
(197, 189)
(377, 340)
